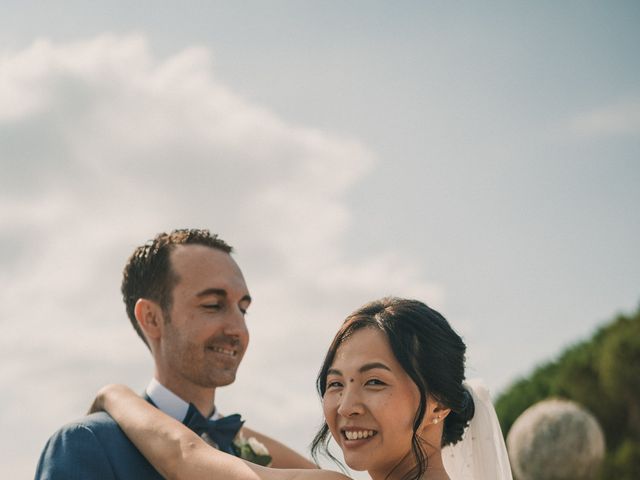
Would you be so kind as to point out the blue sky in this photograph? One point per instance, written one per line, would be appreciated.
(482, 158)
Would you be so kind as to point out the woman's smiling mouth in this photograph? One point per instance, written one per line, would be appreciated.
(357, 434)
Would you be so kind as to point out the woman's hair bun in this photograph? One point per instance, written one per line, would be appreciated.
(457, 421)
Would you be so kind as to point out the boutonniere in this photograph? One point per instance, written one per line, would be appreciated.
(252, 450)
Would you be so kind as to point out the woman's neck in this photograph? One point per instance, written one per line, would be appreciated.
(435, 467)
(434, 471)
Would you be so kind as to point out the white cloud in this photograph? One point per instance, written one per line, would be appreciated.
(103, 146)
(619, 118)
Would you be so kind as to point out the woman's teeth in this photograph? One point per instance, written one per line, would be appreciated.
(353, 435)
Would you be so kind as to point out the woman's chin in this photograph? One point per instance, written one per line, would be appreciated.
(359, 463)
(357, 466)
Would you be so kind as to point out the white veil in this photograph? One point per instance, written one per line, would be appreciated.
(481, 454)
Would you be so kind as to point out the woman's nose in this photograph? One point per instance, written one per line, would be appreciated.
(350, 403)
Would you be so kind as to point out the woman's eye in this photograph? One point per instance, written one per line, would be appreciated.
(333, 384)
(212, 306)
(375, 382)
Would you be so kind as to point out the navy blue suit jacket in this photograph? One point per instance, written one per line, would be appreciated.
(93, 447)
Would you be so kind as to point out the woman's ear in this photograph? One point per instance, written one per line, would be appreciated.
(440, 413)
(149, 316)
(436, 413)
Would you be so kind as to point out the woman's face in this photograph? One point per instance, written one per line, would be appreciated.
(370, 404)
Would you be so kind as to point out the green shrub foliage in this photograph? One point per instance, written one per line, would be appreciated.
(602, 374)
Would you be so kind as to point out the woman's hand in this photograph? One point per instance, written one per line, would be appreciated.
(109, 393)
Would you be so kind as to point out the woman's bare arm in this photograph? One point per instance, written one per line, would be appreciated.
(283, 456)
(178, 453)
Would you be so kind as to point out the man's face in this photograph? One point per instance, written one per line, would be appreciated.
(204, 341)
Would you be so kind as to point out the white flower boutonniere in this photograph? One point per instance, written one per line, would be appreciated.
(252, 450)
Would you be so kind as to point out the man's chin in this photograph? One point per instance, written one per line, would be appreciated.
(222, 379)
(225, 382)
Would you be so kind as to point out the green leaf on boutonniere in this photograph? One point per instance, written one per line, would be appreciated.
(252, 451)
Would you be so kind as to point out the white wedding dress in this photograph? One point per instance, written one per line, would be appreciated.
(481, 454)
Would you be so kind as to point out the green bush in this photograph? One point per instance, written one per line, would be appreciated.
(603, 375)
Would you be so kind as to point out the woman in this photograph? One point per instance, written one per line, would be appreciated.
(392, 394)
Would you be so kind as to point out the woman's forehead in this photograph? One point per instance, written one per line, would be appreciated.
(364, 345)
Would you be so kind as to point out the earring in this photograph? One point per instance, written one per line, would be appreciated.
(435, 420)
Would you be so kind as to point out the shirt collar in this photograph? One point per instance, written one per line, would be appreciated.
(169, 402)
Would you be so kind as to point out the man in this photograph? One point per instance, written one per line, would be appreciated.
(187, 299)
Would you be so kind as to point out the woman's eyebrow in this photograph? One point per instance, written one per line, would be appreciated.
(365, 368)
(373, 366)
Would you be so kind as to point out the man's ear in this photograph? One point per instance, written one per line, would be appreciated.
(149, 316)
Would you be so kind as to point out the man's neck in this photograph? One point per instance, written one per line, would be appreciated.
(202, 398)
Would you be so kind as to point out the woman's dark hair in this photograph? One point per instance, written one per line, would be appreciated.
(431, 353)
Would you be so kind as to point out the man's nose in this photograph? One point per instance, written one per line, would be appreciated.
(350, 402)
(235, 324)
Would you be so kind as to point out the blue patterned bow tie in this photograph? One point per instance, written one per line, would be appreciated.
(221, 431)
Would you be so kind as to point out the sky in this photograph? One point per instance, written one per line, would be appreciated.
(482, 158)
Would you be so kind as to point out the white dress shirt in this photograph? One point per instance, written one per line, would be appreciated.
(170, 403)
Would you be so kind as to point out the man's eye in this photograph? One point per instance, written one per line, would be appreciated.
(212, 306)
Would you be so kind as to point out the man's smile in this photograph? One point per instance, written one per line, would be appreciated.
(224, 351)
